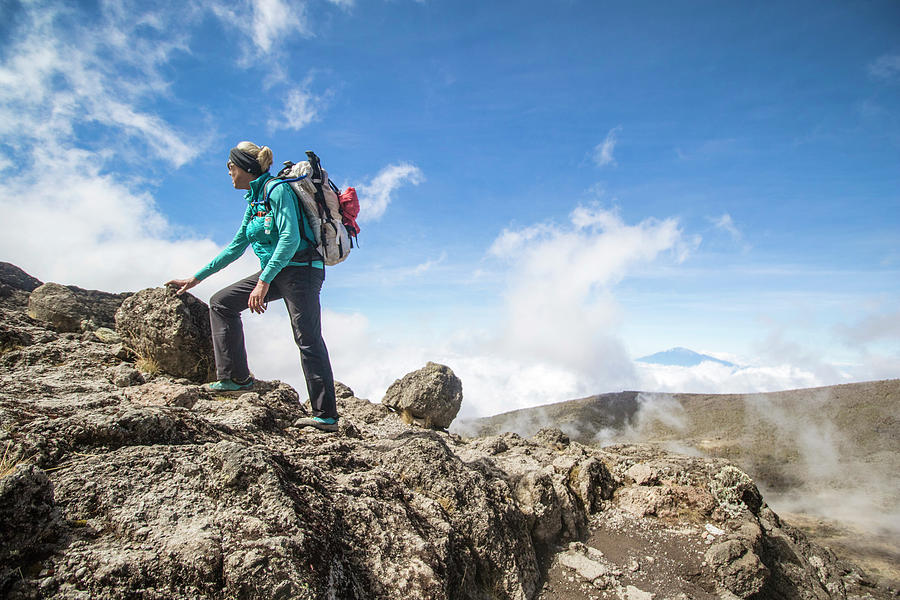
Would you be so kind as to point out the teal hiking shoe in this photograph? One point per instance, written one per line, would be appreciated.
(228, 385)
(317, 422)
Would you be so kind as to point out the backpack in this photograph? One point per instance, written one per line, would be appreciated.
(331, 213)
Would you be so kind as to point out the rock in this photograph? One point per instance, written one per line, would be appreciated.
(586, 568)
(165, 490)
(126, 375)
(14, 278)
(168, 332)
(57, 305)
(73, 309)
(432, 394)
(29, 521)
(551, 436)
(643, 474)
(341, 391)
(107, 335)
(164, 393)
(737, 568)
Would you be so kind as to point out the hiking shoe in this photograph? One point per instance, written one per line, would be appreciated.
(228, 385)
(318, 423)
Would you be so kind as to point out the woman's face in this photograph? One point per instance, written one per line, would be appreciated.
(239, 178)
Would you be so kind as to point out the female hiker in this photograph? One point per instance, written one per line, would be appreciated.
(291, 269)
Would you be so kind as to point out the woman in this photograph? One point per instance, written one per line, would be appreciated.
(291, 269)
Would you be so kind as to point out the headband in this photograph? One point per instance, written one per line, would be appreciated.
(246, 162)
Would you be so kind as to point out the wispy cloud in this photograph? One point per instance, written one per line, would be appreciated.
(603, 152)
(886, 67)
(874, 327)
(300, 109)
(57, 74)
(375, 196)
(726, 223)
(264, 23)
(74, 92)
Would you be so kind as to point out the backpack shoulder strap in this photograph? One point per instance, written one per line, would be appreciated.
(267, 191)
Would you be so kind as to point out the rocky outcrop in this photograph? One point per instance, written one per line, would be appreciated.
(119, 484)
(72, 309)
(430, 396)
(12, 278)
(168, 332)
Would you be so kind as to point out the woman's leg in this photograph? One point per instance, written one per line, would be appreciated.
(227, 330)
(300, 287)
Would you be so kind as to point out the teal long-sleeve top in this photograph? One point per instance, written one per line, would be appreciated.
(275, 249)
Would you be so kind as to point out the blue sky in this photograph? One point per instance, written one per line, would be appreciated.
(549, 190)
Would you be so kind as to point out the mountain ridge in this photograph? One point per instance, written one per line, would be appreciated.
(122, 480)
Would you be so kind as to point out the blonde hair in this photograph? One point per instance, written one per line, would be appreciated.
(262, 155)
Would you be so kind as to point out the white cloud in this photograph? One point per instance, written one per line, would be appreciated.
(58, 73)
(344, 4)
(715, 378)
(65, 72)
(264, 22)
(559, 292)
(726, 223)
(603, 152)
(300, 109)
(375, 196)
(886, 67)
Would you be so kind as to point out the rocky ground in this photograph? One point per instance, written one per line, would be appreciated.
(126, 482)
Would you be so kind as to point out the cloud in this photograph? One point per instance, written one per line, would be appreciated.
(300, 109)
(715, 378)
(603, 152)
(725, 223)
(559, 304)
(73, 92)
(883, 326)
(57, 73)
(886, 67)
(264, 23)
(375, 196)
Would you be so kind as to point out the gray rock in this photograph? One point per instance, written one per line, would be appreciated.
(168, 332)
(107, 335)
(164, 393)
(737, 568)
(125, 375)
(73, 309)
(14, 278)
(432, 395)
(29, 520)
(57, 305)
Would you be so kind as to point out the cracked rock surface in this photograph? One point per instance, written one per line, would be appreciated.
(118, 483)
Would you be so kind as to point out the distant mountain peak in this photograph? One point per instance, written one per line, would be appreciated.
(681, 357)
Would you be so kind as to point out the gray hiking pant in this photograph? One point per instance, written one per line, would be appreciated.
(300, 287)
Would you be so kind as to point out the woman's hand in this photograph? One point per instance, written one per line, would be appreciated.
(257, 302)
(183, 285)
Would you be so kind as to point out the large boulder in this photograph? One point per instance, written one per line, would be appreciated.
(58, 306)
(430, 396)
(169, 332)
(71, 308)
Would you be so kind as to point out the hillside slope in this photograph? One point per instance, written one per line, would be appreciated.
(828, 457)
